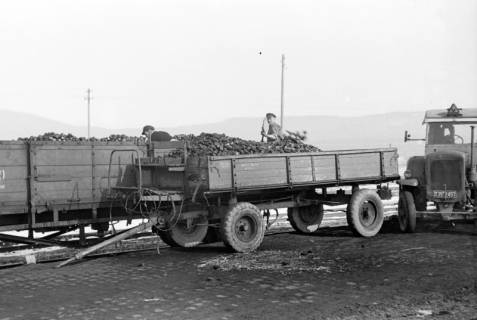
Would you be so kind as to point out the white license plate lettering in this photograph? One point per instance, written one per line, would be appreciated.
(445, 194)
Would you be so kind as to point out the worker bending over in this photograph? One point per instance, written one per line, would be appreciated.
(274, 132)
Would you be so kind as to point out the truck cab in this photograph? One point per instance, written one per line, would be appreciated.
(445, 175)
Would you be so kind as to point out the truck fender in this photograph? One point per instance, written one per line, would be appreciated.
(412, 182)
(417, 167)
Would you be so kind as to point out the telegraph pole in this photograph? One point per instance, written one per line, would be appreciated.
(88, 98)
(282, 89)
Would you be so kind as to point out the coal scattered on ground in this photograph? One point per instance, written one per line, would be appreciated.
(271, 260)
(214, 144)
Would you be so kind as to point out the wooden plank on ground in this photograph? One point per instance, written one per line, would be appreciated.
(61, 253)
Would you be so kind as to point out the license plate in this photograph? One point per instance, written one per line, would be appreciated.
(445, 194)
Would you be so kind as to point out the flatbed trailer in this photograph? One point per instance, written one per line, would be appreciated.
(232, 198)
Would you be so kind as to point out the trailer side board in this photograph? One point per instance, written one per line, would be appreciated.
(296, 169)
(13, 178)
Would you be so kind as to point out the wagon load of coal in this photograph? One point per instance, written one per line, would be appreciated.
(122, 138)
(68, 137)
(214, 144)
(51, 136)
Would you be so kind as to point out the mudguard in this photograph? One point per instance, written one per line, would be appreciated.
(412, 182)
(417, 167)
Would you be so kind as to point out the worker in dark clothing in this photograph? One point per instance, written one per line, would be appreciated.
(152, 135)
(274, 132)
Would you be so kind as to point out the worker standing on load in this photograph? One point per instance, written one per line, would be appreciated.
(274, 132)
(153, 135)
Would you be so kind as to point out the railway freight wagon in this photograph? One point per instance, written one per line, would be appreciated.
(62, 185)
(234, 198)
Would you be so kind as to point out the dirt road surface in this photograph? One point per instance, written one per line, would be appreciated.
(330, 275)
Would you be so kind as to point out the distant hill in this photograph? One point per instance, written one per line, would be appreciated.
(18, 124)
(326, 132)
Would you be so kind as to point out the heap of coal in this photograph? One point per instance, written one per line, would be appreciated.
(62, 137)
(205, 144)
(214, 144)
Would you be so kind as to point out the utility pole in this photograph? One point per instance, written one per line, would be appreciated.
(282, 89)
(88, 98)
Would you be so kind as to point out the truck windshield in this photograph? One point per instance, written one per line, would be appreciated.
(448, 133)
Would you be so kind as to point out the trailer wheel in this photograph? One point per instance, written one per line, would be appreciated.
(243, 228)
(306, 219)
(406, 212)
(165, 237)
(181, 235)
(365, 213)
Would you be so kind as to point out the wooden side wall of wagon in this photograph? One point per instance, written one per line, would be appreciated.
(13, 182)
(52, 185)
(277, 171)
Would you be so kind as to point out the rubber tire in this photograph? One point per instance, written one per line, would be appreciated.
(229, 223)
(420, 200)
(358, 198)
(406, 212)
(166, 238)
(177, 237)
(297, 222)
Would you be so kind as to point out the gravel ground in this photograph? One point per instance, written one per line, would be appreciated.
(330, 275)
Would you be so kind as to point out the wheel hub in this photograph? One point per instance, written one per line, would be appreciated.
(244, 229)
(307, 215)
(187, 229)
(367, 215)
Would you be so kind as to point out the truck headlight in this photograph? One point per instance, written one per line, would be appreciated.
(407, 174)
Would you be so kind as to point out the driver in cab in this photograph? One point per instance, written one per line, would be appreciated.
(441, 133)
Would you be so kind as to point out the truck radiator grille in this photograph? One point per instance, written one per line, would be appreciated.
(446, 174)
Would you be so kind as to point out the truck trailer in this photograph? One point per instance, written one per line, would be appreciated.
(233, 198)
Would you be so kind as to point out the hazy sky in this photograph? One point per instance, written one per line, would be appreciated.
(182, 62)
